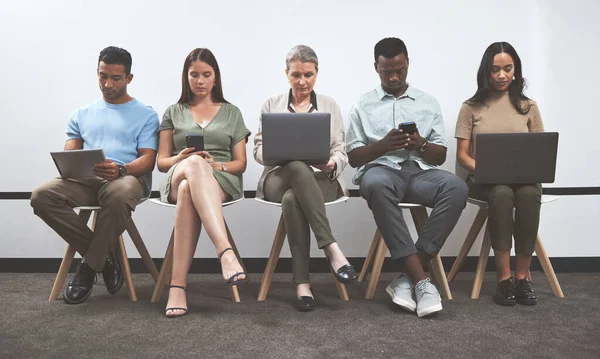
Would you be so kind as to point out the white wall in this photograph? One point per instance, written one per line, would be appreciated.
(48, 54)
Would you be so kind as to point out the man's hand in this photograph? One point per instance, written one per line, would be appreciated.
(415, 141)
(108, 170)
(326, 167)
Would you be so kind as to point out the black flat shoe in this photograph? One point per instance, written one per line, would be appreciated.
(304, 304)
(345, 274)
(112, 274)
(80, 287)
(524, 292)
(505, 293)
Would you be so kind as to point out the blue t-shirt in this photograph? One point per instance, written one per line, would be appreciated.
(119, 130)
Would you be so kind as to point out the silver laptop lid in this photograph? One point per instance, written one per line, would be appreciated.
(296, 137)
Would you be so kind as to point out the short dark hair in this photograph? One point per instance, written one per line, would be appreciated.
(390, 47)
(115, 55)
(484, 83)
(206, 56)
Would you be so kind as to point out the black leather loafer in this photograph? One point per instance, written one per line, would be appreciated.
(112, 274)
(505, 293)
(345, 274)
(305, 304)
(524, 292)
(80, 287)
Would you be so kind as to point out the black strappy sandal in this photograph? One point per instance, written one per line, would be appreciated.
(184, 309)
(230, 280)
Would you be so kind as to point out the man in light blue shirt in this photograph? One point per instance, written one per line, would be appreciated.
(126, 130)
(400, 166)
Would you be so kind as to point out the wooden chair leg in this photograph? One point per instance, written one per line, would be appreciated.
(65, 264)
(62, 273)
(265, 282)
(341, 288)
(233, 290)
(141, 247)
(165, 271)
(127, 270)
(234, 247)
(377, 265)
(481, 263)
(547, 267)
(440, 274)
(468, 243)
(369, 260)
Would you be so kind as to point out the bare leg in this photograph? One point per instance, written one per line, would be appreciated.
(414, 268)
(303, 289)
(502, 259)
(187, 231)
(523, 263)
(207, 197)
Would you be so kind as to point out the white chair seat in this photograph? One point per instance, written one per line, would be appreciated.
(159, 202)
(406, 205)
(339, 200)
(546, 198)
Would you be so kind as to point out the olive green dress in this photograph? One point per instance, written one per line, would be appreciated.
(225, 130)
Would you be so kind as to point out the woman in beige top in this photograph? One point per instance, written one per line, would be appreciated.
(200, 181)
(301, 189)
(499, 105)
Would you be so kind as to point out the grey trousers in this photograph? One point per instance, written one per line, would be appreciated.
(302, 194)
(53, 202)
(525, 200)
(384, 188)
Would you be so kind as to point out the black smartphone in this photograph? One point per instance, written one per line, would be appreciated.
(408, 127)
(196, 141)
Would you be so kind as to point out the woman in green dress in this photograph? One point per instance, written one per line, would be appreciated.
(198, 182)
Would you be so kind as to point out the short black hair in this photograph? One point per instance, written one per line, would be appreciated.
(116, 55)
(390, 47)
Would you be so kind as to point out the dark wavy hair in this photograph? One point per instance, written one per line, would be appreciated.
(206, 56)
(484, 83)
(113, 55)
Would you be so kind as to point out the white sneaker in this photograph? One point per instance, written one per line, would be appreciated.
(401, 291)
(428, 298)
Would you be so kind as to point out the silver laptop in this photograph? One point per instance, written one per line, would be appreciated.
(516, 158)
(296, 137)
(77, 163)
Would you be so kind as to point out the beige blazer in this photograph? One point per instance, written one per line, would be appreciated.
(279, 104)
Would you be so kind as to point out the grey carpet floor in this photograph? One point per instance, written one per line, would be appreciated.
(112, 326)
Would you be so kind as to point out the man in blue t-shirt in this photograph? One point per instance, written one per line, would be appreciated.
(126, 130)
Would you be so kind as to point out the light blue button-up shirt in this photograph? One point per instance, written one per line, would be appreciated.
(377, 112)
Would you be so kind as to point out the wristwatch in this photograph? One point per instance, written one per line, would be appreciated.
(224, 168)
(122, 170)
(424, 147)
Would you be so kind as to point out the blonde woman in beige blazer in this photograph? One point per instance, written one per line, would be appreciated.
(301, 189)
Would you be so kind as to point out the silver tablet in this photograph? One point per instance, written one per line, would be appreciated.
(77, 163)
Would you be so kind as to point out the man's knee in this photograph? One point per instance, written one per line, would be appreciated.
(457, 189)
(122, 194)
(41, 198)
(376, 181)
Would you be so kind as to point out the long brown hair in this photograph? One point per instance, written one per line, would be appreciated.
(206, 56)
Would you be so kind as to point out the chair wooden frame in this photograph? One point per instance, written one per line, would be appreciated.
(164, 276)
(476, 227)
(84, 213)
(378, 250)
(278, 241)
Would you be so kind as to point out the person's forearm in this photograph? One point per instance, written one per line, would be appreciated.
(164, 164)
(141, 166)
(434, 154)
(233, 167)
(365, 154)
(467, 162)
